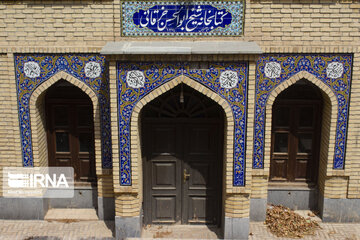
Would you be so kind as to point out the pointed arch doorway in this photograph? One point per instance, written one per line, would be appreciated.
(296, 132)
(182, 145)
(70, 131)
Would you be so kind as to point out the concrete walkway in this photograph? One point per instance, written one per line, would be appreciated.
(56, 230)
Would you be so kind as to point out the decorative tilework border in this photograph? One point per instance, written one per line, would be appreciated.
(290, 65)
(49, 66)
(158, 73)
(128, 8)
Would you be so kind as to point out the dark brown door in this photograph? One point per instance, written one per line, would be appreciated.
(182, 172)
(71, 135)
(202, 173)
(295, 141)
(182, 142)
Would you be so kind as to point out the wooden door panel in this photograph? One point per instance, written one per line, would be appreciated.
(63, 161)
(62, 142)
(164, 209)
(203, 209)
(164, 174)
(163, 141)
(60, 116)
(201, 141)
(278, 169)
(199, 176)
(85, 171)
(85, 142)
(301, 173)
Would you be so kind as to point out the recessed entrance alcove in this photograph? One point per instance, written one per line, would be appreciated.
(182, 144)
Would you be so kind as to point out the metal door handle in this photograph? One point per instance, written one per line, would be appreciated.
(186, 176)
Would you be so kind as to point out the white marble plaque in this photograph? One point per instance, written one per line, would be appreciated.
(135, 79)
(32, 69)
(334, 70)
(228, 79)
(272, 70)
(92, 69)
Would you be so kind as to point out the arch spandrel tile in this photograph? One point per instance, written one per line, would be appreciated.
(41, 75)
(270, 81)
(153, 77)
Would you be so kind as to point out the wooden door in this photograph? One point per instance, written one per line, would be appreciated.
(182, 142)
(295, 141)
(70, 136)
(202, 178)
(182, 171)
(162, 172)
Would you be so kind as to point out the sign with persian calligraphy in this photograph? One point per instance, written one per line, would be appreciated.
(334, 70)
(164, 18)
(272, 70)
(135, 79)
(228, 79)
(92, 69)
(32, 69)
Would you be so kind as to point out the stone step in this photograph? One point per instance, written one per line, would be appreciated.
(71, 214)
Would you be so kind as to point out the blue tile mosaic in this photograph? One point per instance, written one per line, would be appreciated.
(172, 18)
(136, 80)
(32, 70)
(333, 70)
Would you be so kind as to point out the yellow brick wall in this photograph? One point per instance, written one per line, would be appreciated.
(278, 26)
(9, 124)
(237, 205)
(56, 23)
(5, 119)
(325, 134)
(352, 162)
(125, 204)
(105, 185)
(38, 132)
(312, 24)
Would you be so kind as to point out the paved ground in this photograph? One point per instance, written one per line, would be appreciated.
(87, 214)
(328, 231)
(54, 230)
(181, 232)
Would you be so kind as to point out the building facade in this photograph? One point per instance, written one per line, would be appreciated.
(184, 112)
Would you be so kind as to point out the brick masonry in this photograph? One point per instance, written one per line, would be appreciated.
(277, 26)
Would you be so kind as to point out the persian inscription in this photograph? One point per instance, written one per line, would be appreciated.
(92, 69)
(32, 69)
(334, 70)
(168, 18)
(135, 79)
(272, 70)
(182, 18)
(228, 79)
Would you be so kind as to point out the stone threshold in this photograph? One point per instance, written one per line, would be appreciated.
(71, 214)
